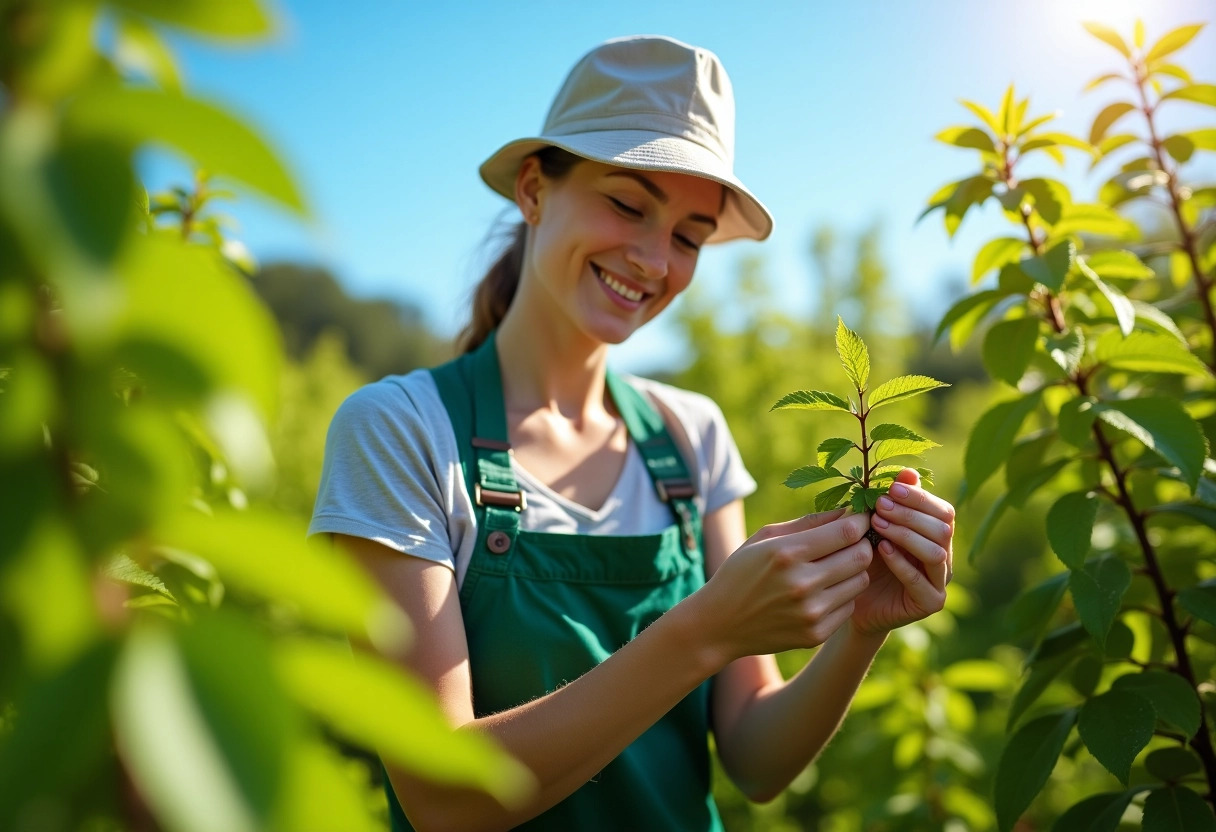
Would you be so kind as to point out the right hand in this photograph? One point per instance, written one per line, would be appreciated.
(790, 584)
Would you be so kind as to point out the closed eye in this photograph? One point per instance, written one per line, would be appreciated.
(687, 243)
(627, 210)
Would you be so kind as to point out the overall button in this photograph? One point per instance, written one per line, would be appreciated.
(498, 542)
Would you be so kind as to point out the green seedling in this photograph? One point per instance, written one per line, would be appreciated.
(862, 484)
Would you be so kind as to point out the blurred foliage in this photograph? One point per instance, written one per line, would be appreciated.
(174, 653)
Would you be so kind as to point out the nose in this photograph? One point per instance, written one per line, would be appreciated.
(650, 255)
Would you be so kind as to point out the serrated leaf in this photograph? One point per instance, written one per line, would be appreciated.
(1026, 763)
(996, 253)
(1199, 93)
(830, 498)
(809, 475)
(1008, 348)
(857, 501)
(1172, 763)
(1163, 425)
(1070, 524)
(1109, 36)
(830, 451)
(971, 137)
(1116, 726)
(1097, 590)
(1097, 813)
(812, 400)
(889, 448)
(1106, 119)
(889, 431)
(992, 438)
(1124, 312)
(1177, 809)
(1052, 266)
(1147, 352)
(853, 354)
(1155, 319)
(1200, 601)
(122, 568)
(926, 476)
(902, 387)
(1173, 699)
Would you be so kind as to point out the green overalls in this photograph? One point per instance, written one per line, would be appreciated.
(542, 609)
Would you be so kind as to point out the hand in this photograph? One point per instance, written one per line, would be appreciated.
(914, 563)
(789, 585)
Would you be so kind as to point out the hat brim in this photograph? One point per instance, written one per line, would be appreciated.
(742, 216)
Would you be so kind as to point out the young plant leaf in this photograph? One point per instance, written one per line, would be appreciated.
(809, 475)
(889, 431)
(1116, 726)
(926, 475)
(1172, 697)
(902, 387)
(812, 400)
(832, 497)
(1008, 347)
(1026, 763)
(830, 451)
(889, 448)
(1097, 590)
(1070, 524)
(853, 355)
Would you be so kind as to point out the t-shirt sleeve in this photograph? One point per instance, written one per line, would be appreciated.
(380, 478)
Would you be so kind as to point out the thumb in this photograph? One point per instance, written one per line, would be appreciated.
(800, 524)
(908, 476)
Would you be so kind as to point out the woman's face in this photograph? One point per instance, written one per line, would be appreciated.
(612, 247)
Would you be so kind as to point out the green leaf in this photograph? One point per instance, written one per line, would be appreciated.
(857, 502)
(1066, 350)
(1097, 590)
(1199, 93)
(889, 431)
(1070, 524)
(1034, 608)
(1201, 513)
(831, 497)
(1172, 763)
(985, 115)
(1109, 145)
(967, 137)
(1026, 763)
(853, 355)
(1008, 348)
(1106, 119)
(1179, 146)
(352, 693)
(1050, 197)
(1173, 71)
(1124, 312)
(830, 451)
(1202, 139)
(1147, 352)
(889, 448)
(1116, 726)
(1109, 36)
(809, 475)
(964, 315)
(1094, 219)
(1172, 41)
(1066, 640)
(1158, 320)
(1200, 601)
(969, 192)
(1042, 674)
(1177, 809)
(217, 142)
(926, 476)
(323, 795)
(1164, 426)
(812, 400)
(138, 47)
(902, 387)
(994, 254)
(1097, 813)
(1051, 267)
(992, 438)
(1075, 420)
(1173, 699)
(1005, 114)
(1118, 264)
(231, 18)
(1102, 79)
(1066, 140)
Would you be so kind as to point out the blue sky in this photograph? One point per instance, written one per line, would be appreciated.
(384, 111)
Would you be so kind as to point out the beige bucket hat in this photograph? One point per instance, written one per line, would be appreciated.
(646, 103)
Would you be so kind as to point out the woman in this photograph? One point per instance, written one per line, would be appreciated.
(570, 544)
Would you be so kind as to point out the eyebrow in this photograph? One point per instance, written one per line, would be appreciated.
(659, 194)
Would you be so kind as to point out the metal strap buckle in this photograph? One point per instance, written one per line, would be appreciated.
(506, 499)
(679, 489)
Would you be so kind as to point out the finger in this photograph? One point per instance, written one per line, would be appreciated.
(917, 498)
(934, 556)
(908, 476)
(839, 566)
(800, 524)
(821, 630)
(927, 525)
(823, 540)
(921, 588)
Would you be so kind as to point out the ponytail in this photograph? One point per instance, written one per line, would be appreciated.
(496, 290)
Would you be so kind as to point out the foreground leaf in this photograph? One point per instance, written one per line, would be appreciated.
(830, 451)
(812, 400)
(832, 497)
(853, 355)
(809, 475)
(902, 387)
(1116, 726)
(889, 448)
(1026, 763)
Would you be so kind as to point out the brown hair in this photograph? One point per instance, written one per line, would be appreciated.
(494, 293)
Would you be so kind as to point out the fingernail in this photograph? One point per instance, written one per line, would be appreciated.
(887, 548)
(878, 522)
(885, 503)
(899, 490)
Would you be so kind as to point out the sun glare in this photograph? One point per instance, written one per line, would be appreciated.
(1120, 15)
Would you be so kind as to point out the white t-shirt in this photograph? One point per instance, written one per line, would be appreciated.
(392, 474)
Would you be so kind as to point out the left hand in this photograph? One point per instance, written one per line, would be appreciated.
(913, 564)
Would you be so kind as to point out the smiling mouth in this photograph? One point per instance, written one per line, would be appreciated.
(615, 285)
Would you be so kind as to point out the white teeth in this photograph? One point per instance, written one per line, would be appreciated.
(618, 287)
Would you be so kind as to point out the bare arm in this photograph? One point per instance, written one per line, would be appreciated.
(568, 736)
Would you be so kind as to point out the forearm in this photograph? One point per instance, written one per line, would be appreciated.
(786, 725)
(566, 737)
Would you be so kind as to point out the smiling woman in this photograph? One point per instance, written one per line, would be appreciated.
(569, 543)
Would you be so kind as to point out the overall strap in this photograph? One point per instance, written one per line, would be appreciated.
(663, 461)
(471, 390)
